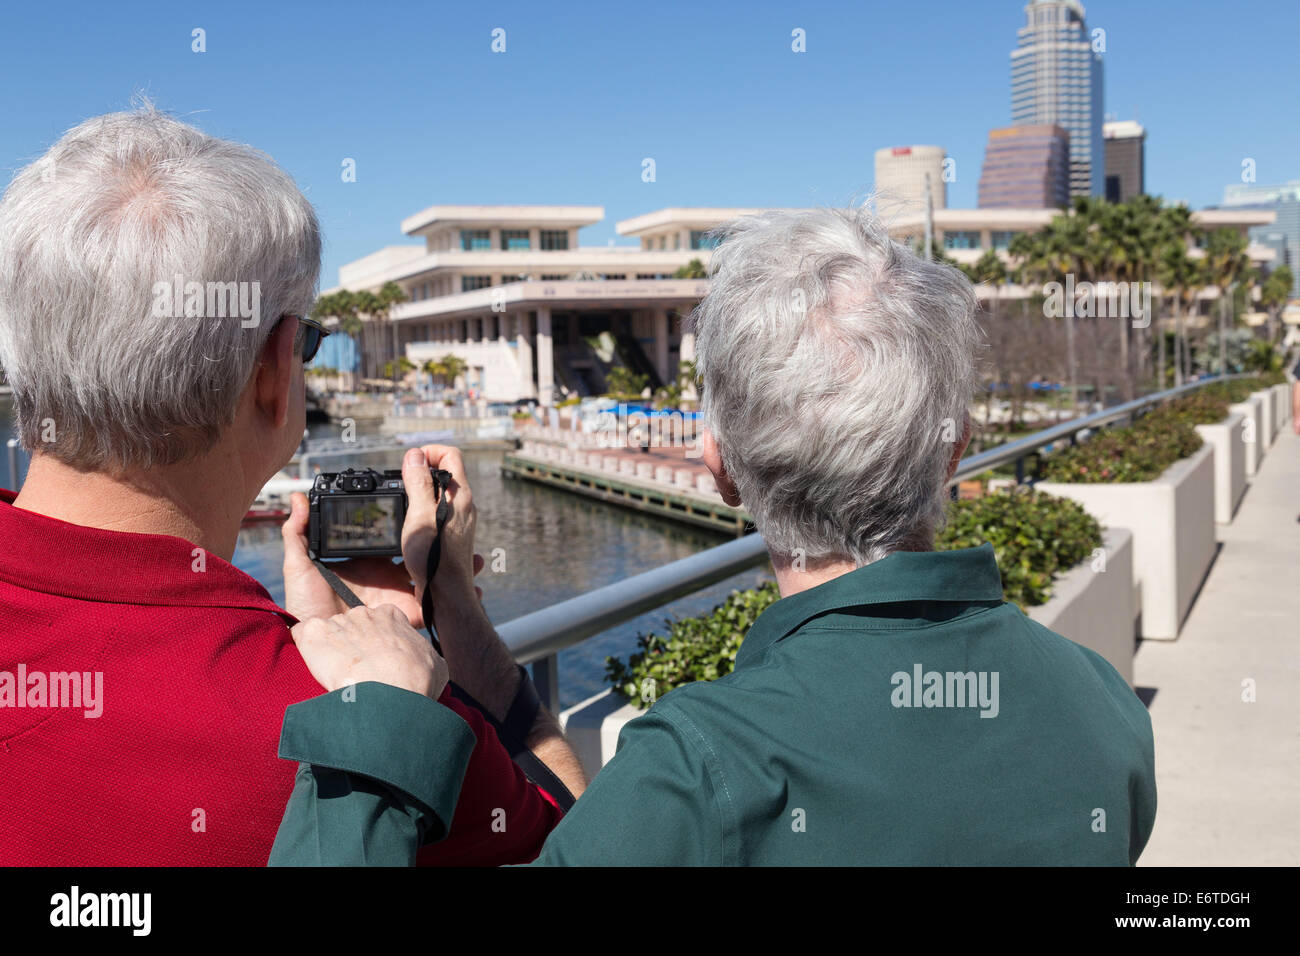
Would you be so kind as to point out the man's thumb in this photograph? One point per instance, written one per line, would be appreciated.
(420, 501)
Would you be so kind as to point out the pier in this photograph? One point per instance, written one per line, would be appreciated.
(659, 481)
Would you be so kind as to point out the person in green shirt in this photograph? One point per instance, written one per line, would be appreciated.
(889, 709)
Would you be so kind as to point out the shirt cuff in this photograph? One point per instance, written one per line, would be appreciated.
(396, 737)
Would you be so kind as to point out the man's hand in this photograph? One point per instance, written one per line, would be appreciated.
(454, 579)
(374, 580)
(370, 644)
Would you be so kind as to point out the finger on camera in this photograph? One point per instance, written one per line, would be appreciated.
(448, 458)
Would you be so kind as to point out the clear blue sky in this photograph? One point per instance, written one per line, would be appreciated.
(584, 91)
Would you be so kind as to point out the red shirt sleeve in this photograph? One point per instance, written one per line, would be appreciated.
(501, 817)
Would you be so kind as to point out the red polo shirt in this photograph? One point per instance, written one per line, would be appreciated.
(197, 668)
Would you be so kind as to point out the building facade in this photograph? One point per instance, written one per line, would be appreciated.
(1056, 78)
(534, 315)
(1283, 234)
(1026, 167)
(1125, 160)
(901, 173)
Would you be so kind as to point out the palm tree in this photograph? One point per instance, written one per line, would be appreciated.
(1178, 273)
(695, 269)
(396, 368)
(341, 306)
(1032, 265)
(447, 369)
(1273, 296)
(1226, 263)
(390, 294)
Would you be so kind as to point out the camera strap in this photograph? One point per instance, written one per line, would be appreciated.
(513, 731)
(440, 481)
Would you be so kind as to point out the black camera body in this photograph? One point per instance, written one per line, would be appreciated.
(359, 512)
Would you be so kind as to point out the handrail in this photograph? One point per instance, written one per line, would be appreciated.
(1021, 447)
(545, 632)
(537, 637)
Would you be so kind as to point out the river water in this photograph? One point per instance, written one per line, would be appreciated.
(555, 545)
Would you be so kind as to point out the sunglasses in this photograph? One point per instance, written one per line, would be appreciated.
(313, 333)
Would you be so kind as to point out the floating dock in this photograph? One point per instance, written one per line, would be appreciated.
(659, 489)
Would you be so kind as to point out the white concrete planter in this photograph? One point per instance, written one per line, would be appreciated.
(1092, 604)
(593, 727)
(1172, 520)
(1267, 414)
(1283, 417)
(1251, 425)
(1229, 464)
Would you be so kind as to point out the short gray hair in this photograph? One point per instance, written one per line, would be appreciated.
(836, 367)
(122, 203)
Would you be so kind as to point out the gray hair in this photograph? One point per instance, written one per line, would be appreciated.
(119, 205)
(836, 367)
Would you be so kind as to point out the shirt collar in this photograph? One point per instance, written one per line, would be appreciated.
(966, 576)
(45, 554)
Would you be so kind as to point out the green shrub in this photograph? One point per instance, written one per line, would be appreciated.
(1197, 408)
(1035, 537)
(1234, 390)
(696, 648)
(1142, 451)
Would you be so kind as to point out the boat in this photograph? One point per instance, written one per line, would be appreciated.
(272, 502)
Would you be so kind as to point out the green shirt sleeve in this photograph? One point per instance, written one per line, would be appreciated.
(661, 801)
(379, 775)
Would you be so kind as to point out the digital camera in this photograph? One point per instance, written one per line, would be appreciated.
(359, 513)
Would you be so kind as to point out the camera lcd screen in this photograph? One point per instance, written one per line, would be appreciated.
(362, 522)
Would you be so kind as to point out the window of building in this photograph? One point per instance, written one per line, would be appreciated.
(513, 240)
(475, 240)
(554, 239)
(522, 277)
(700, 239)
(961, 239)
(470, 283)
(614, 276)
(554, 277)
(1001, 239)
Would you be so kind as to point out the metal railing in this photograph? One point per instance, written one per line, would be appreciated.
(1017, 451)
(538, 637)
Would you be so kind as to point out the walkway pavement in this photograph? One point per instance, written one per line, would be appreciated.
(1228, 772)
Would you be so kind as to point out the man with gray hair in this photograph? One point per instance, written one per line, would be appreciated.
(891, 707)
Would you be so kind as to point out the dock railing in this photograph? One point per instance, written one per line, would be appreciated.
(538, 637)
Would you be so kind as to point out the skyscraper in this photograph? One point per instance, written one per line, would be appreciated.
(1283, 234)
(1125, 160)
(900, 177)
(1056, 77)
(1026, 167)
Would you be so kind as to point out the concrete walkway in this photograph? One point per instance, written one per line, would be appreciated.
(1228, 772)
